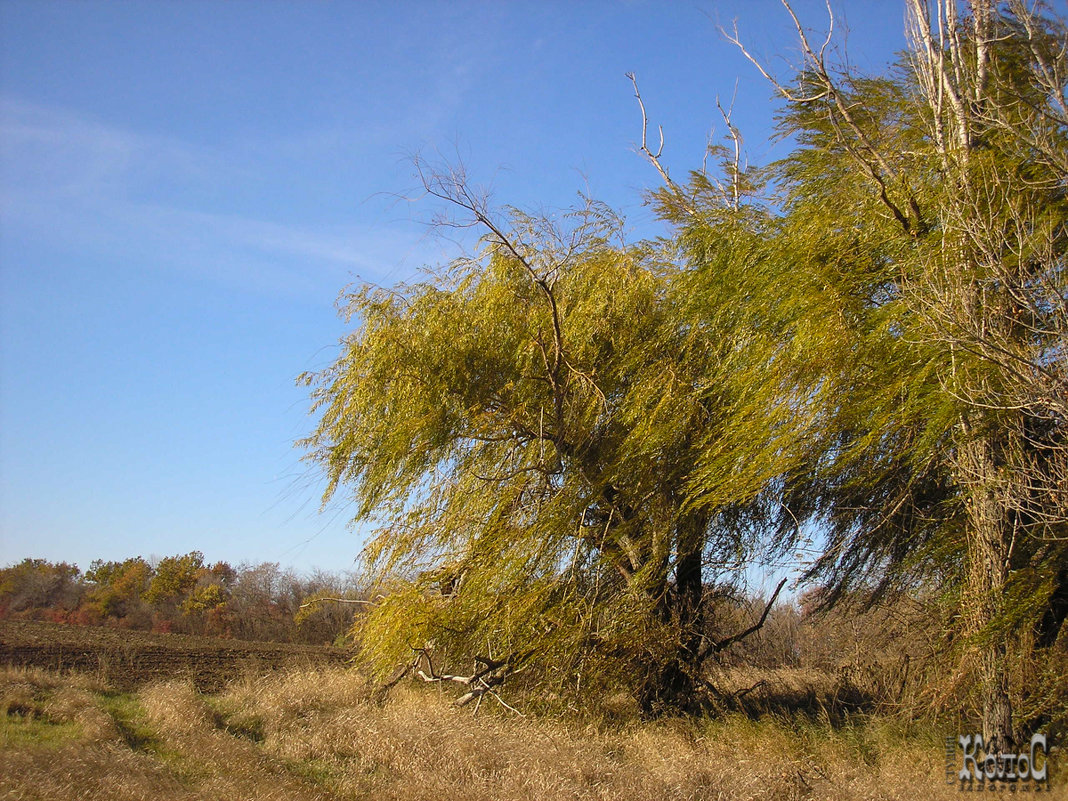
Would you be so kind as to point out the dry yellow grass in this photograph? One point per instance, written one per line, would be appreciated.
(318, 735)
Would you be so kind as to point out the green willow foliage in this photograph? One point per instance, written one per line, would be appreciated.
(840, 413)
(903, 300)
(565, 441)
(521, 427)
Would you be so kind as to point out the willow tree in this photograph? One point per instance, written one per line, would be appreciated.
(518, 428)
(904, 303)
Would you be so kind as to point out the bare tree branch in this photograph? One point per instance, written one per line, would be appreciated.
(315, 601)
(714, 647)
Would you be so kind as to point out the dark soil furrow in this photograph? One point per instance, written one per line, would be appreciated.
(129, 659)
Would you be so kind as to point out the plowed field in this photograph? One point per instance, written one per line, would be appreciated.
(129, 659)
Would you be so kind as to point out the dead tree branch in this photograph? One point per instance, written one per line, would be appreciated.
(483, 680)
(654, 158)
(853, 136)
(315, 601)
(715, 646)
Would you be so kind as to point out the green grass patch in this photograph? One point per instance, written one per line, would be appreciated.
(320, 772)
(30, 730)
(131, 721)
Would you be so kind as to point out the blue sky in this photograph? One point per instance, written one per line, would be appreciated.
(185, 188)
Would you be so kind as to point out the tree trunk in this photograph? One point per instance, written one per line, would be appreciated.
(672, 686)
(997, 705)
(988, 554)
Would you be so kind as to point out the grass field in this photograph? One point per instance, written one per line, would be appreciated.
(315, 732)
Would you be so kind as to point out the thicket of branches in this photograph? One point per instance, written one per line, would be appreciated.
(571, 444)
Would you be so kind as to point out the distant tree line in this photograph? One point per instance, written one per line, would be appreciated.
(182, 594)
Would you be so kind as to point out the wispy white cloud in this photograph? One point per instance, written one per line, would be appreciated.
(156, 200)
(45, 149)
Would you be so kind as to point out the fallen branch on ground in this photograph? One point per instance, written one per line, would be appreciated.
(482, 681)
